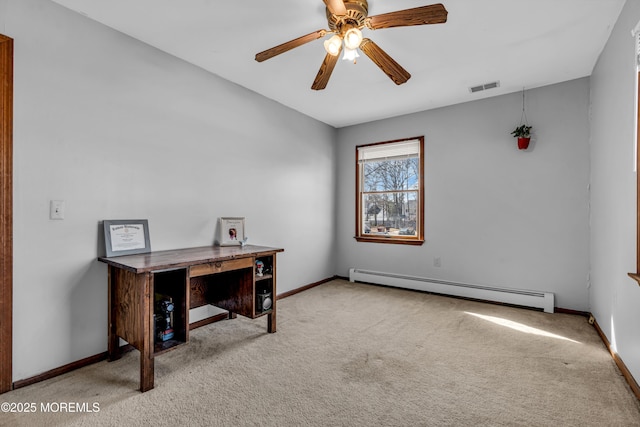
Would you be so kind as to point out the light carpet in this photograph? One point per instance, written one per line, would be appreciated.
(349, 354)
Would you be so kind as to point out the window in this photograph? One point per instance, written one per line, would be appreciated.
(390, 188)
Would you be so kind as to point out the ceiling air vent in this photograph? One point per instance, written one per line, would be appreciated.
(492, 85)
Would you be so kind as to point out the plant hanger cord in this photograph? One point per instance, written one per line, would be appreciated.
(523, 117)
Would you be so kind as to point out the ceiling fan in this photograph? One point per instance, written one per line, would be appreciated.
(346, 18)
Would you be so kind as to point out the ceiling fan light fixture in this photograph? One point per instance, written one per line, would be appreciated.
(352, 38)
(333, 45)
(350, 54)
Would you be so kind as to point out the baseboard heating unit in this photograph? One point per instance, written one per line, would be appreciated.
(537, 299)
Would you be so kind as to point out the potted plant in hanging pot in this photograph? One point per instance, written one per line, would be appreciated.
(523, 133)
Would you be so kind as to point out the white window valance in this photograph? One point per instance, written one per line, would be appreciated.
(389, 151)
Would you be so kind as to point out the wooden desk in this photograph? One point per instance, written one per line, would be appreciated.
(221, 276)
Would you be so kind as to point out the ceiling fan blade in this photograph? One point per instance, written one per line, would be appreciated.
(432, 14)
(322, 78)
(277, 50)
(386, 63)
(336, 7)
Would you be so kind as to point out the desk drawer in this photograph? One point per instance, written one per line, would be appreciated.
(220, 266)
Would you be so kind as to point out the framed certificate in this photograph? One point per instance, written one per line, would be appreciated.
(126, 237)
(231, 231)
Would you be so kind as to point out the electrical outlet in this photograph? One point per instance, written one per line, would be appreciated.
(437, 262)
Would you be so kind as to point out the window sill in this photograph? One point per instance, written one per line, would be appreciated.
(635, 276)
(392, 240)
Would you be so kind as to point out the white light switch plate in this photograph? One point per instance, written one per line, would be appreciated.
(56, 209)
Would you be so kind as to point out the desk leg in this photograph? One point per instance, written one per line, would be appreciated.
(146, 372)
(271, 322)
(146, 352)
(114, 352)
(113, 341)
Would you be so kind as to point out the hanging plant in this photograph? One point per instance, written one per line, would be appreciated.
(523, 132)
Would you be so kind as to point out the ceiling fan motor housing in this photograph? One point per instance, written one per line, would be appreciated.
(357, 12)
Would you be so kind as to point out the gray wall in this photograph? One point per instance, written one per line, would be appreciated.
(615, 298)
(494, 215)
(118, 129)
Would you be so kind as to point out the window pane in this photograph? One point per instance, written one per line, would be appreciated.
(391, 175)
(393, 214)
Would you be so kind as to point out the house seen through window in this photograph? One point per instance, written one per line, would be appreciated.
(390, 205)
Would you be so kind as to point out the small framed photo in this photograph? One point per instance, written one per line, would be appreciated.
(126, 237)
(231, 231)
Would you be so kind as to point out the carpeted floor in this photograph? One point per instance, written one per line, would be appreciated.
(349, 354)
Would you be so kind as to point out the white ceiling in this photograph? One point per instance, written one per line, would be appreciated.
(523, 44)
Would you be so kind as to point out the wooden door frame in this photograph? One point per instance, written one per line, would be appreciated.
(6, 211)
(636, 275)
